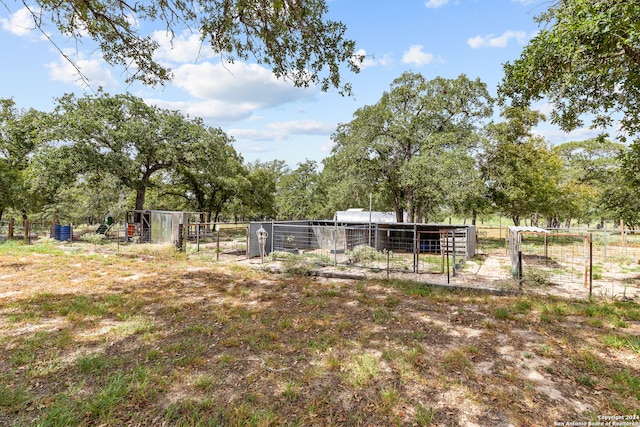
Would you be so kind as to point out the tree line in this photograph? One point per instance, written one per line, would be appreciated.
(428, 148)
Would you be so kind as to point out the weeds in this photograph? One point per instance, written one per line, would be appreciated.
(125, 340)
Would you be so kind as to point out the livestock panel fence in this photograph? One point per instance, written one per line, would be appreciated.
(406, 248)
(604, 262)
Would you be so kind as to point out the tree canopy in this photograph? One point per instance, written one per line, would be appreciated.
(411, 145)
(586, 61)
(292, 37)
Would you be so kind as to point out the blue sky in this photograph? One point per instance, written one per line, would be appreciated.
(271, 119)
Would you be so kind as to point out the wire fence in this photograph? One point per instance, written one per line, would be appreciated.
(377, 247)
(12, 229)
(221, 241)
(600, 261)
(581, 261)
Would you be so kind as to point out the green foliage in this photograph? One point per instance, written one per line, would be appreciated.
(299, 193)
(412, 148)
(365, 253)
(295, 39)
(522, 172)
(585, 62)
(424, 415)
(21, 135)
(94, 238)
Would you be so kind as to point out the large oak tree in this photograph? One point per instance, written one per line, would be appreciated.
(409, 147)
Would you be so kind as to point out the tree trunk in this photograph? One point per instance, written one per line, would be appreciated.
(140, 194)
(410, 206)
(399, 215)
(474, 217)
(516, 220)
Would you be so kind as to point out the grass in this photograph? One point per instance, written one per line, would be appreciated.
(173, 340)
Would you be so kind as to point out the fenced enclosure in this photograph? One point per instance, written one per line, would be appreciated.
(598, 260)
(14, 229)
(222, 240)
(576, 262)
(405, 248)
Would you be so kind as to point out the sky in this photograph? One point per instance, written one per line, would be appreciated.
(269, 118)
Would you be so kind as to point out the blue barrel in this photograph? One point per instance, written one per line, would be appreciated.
(65, 233)
(56, 231)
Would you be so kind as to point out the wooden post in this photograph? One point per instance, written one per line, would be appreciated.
(180, 240)
(388, 264)
(26, 232)
(622, 236)
(12, 224)
(217, 227)
(54, 221)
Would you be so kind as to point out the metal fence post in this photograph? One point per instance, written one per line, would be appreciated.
(447, 254)
(415, 245)
(520, 269)
(335, 243)
(453, 242)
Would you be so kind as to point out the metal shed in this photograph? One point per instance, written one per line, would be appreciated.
(155, 226)
(361, 216)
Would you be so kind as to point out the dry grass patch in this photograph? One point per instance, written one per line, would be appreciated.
(154, 337)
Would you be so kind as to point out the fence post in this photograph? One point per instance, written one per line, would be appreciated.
(447, 255)
(335, 242)
(180, 237)
(387, 264)
(27, 238)
(217, 228)
(520, 269)
(415, 244)
(590, 266)
(12, 224)
(453, 251)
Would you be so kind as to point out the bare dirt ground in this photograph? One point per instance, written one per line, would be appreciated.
(92, 337)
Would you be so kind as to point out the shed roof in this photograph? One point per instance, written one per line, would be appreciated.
(527, 229)
(361, 216)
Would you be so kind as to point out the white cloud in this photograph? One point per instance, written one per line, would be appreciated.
(280, 131)
(20, 23)
(415, 55)
(433, 4)
(184, 47)
(93, 69)
(328, 146)
(233, 91)
(363, 60)
(557, 136)
(497, 41)
(214, 109)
